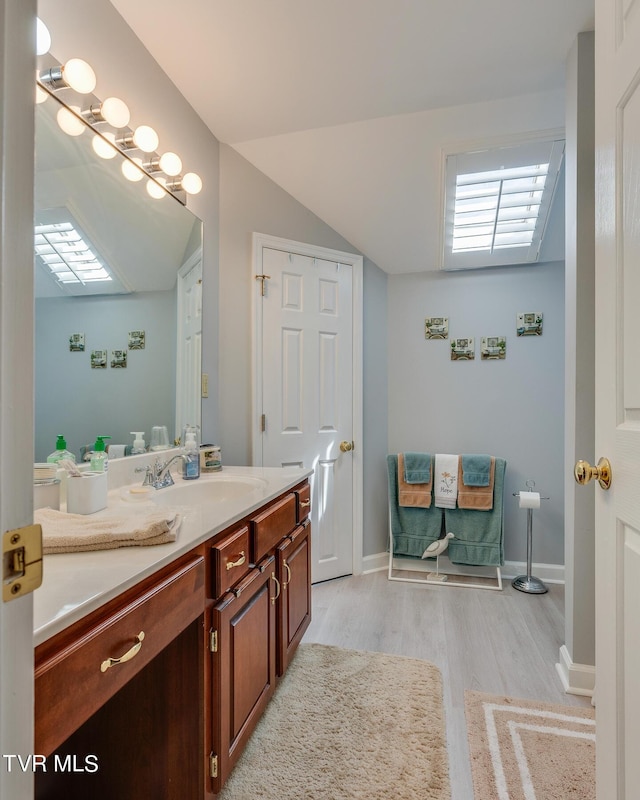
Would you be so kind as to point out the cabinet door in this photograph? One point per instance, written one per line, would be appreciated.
(244, 663)
(294, 603)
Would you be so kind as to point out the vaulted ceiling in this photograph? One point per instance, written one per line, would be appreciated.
(347, 104)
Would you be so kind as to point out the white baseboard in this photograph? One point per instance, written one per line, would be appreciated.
(549, 573)
(375, 563)
(576, 678)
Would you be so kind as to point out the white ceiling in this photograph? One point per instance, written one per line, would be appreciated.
(347, 104)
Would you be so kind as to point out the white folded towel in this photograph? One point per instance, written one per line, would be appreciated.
(446, 480)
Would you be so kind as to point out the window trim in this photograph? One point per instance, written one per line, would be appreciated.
(509, 256)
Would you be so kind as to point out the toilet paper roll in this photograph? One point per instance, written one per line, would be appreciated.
(529, 499)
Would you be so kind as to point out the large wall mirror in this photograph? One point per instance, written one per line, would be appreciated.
(117, 347)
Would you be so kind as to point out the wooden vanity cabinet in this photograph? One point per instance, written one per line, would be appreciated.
(256, 627)
(244, 664)
(137, 716)
(294, 604)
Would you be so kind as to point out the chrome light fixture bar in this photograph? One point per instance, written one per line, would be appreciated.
(100, 116)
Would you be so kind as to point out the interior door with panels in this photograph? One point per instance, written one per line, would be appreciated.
(307, 392)
(617, 394)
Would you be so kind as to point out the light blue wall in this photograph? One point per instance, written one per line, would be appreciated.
(512, 408)
(81, 403)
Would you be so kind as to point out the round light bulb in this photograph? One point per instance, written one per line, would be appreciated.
(155, 191)
(191, 183)
(79, 75)
(115, 112)
(170, 164)
(105, 145)
(41, 95)
(132, 171)
(145, 138)
(69, 123)
(43, 38)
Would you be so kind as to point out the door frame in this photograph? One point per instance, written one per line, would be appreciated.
(192, 262)
(260, 241)
(17, 56)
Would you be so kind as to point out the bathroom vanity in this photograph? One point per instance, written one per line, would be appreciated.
(154, 664)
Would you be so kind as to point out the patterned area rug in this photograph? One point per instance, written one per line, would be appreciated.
(347, 725)
(524, 750)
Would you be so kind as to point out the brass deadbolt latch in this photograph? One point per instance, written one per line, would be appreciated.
(21, 561)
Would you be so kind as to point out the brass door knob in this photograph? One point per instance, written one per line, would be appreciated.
(584, 472)
(346, 447)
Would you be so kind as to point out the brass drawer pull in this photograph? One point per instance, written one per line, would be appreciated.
(305, 503)
(288, 581)
(111, 662)
(277, 594)
(239, 562)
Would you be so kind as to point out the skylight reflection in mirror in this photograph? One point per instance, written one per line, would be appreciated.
(66, 253)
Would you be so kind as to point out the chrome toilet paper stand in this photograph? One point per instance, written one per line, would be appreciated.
(529, 583)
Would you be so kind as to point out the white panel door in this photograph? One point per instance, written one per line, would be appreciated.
(618, 397)
(189, 351)
(307, 392)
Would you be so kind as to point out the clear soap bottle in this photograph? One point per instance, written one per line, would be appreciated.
(99, 460)
(60, 452)
(191, 461)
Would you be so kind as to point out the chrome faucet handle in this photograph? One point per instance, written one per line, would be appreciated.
(148, 475)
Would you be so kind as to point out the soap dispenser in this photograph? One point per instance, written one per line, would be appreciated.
(60, 452)
(99, 460)
(191, 461)
(139, 445)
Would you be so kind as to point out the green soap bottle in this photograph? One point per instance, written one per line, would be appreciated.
(60, 452)
(99, 460)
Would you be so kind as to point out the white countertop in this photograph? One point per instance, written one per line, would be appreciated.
(75, 584)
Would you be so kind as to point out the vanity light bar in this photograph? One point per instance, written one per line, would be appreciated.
(78, 75)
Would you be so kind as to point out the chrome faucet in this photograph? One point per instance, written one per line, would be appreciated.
(158, 474)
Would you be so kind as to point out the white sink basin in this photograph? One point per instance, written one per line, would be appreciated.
(210, 489)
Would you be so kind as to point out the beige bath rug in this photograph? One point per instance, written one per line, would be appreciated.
(345, 724)
(524, 750)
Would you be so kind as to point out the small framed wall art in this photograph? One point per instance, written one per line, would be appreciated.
(493, 348)
(118, 359)
(76, 342)
(436, 328)
(98, 359)
(136, 340)
(463, 349)
(529, 323)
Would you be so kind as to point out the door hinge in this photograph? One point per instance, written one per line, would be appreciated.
(262, 278)
(263, 423)
(213, 641)
(21, 561)
(213, 766)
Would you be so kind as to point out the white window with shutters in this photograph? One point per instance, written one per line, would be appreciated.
(497, 202)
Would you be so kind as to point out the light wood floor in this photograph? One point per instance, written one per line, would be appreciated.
(499, 642)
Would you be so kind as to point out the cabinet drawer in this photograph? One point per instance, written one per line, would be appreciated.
(75, 679)
(303, 497)
(230, 560)
(269, 527)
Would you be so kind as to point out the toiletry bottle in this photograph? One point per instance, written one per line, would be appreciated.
(138, 443)
(99, 460)
(60, 452)
(191, 463)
